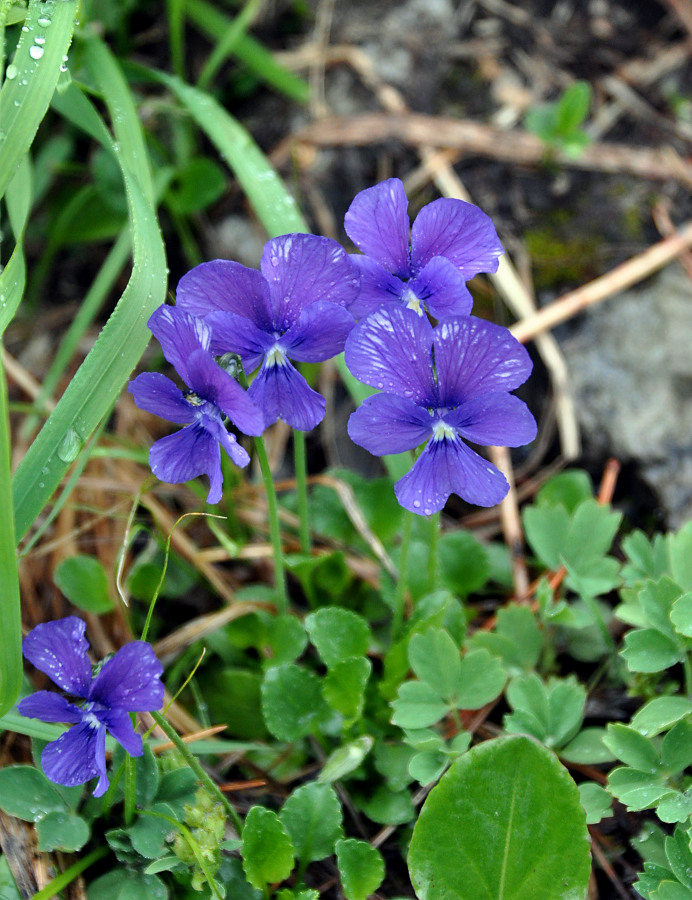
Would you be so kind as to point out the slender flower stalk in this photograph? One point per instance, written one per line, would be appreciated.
(274, 527)
(300, 464)
(402, 576)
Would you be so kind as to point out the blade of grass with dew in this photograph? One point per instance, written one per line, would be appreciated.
(25, 98)
(227, 42)
(272, 203)
(13, 276)
(104, 372)
(260, 61)
(10, 605)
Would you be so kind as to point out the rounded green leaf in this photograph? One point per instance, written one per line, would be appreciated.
(647, 650)
(344, 686)
(291, 701)
(267, 849)
(632, 748)
(435, 659)
(596, 802)
(27, 794)
(417, 705)
(681, 615)
(338, 634)
(83, 581)
(61, 831)
(660, 713)
(361, 868)
(504, 823)
(124, 884)
(312, 818)
(481, 679)
(587, 748)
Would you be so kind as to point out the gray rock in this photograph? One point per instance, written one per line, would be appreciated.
(631, 367)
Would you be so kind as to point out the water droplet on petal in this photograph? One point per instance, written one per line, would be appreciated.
(11, 72)
(43, 21)
(35, 52)
(416, 503)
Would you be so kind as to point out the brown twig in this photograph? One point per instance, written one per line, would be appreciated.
(618, 279)
(475, 138)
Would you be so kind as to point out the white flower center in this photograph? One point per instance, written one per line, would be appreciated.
(412, 301)
(91, 720)
(275, 357)
(442, 431)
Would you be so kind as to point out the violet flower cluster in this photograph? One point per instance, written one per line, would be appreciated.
(127, 682)
(444, 384)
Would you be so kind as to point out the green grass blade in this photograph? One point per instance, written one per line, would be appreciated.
(104, 372)
(272, 203)
(212, 22)
(24, 99)
(13, 277)
(227, 42)
(10, 610)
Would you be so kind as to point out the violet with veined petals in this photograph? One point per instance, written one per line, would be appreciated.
(296, 308)
(212, 395)
(446, 385)
(130, 681)
(451, 241)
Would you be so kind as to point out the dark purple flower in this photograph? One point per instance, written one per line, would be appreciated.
(295, 308)
(212, 394)
(451, 241)
(128, 682)
(443, 385)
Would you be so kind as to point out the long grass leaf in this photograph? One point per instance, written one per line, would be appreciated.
(260, 61)
(13, 276)
(228, 41)
(10, 611)
(272, 203)
(104, 372)
(24, 98)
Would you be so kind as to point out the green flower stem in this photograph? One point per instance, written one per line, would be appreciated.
(274, 527)
(434, 523)
(68, 876)
(194, 764)
(130, 791)
(301, 468)
(402, 579)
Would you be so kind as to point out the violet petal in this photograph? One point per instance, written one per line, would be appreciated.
(157, 394)
(377, 223)
(449, 467)
(238, 454)
(302, 269)
(319, 334)
(386, 424)
(441, 287)
(179, 334)
(494, 420)
(224, 285)
(179, 457)
(118, 722)
(377, 287)
(231, 333)
(460, 231)
(76, 756)
(212, 383)
(130, 680)
(59, 650)
(475, 357)
(391, 351)
(281, 392)
(49, 707)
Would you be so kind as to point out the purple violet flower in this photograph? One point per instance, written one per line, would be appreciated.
(213, 394)
(128, 682)
(451, 241)
(445, 385)
(294, 309)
